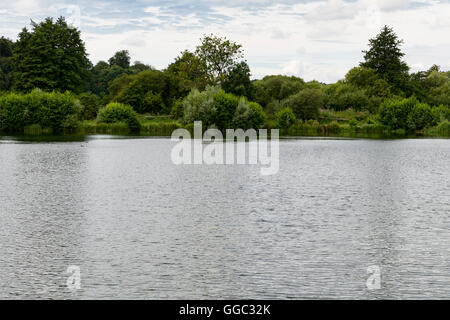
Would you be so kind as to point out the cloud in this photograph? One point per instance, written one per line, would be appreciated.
(314, 39)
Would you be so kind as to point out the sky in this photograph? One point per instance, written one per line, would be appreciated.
(313, 39)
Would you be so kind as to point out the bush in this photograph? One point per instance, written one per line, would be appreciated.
(441, 113)
(444, 128)
(394, 113)
(199, 106)
(306, 103)
(49, 110)
(248, 115)
(225, 105)
(221, 110)
(420, 117)
(286, 118)
(90, 105)
(118, 112)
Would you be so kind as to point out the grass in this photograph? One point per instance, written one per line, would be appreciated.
(347, 123)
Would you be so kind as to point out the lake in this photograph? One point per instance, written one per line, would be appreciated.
(139, 227)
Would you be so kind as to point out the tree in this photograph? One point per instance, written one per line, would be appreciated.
(121, 59)
(385, 57)
(6, 68)
(220, 55)
(306, 103)
(51, 57)
(238, 81)
(190, 70)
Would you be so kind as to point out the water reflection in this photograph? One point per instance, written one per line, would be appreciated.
(140, 227)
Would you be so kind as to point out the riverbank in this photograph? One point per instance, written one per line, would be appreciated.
(345, 124)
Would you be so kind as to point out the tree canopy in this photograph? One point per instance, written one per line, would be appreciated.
(385, 57)
(51, 56)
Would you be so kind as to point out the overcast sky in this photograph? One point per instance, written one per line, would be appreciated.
(313, 39)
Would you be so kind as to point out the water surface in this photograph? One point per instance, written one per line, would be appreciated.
(140, 227)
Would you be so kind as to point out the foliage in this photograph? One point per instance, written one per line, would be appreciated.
(91, 104)
(199, 106)
(6, 65)
(220, 56)
(51, 57)
(121, 59)
(421, 117)
(238, 81)
(49, 110)
(118, 112)
(286, 118)
(225, 105)
(149, 91)
(248, 115)
(385, 57)
(444, 128)
(276, 88)
(306, 103)
(216, 108)
(191, 72)
(406, 114)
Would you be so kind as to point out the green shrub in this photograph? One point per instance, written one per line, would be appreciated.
(441, 113)
(225, 105)
(286, 118)
(394, 113)
(118, 112)
(420, 117)
(49, 110)
(199, 106)
(90, 105)
(443, 128)
(306, 103)
(248, 115)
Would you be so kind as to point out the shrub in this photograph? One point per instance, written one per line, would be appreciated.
(306, 103)
(118, 112)
(49, 110)
(90, 105)
(199, 106)
(216, 108)
(444, 128)
(248, 115)
(420, 117)
(153, 103)
(394, 113)
(441, 113)
(225, 105)
(286, 118)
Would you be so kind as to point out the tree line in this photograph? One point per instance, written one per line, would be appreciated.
(212, 83)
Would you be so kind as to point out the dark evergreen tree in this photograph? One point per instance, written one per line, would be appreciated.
(51, 57)
(6, 49)
(385, 57)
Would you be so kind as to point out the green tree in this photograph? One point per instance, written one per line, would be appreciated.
(6, 67)
(238, 81)
(286, 118)
(52, 57)
(306, 103)
(220, 56)
(272, 89)
(190, 70)
(121, 59)
(385, 57)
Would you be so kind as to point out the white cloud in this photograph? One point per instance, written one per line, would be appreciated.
(315, 40)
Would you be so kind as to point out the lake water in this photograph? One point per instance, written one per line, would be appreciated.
(137, 226)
